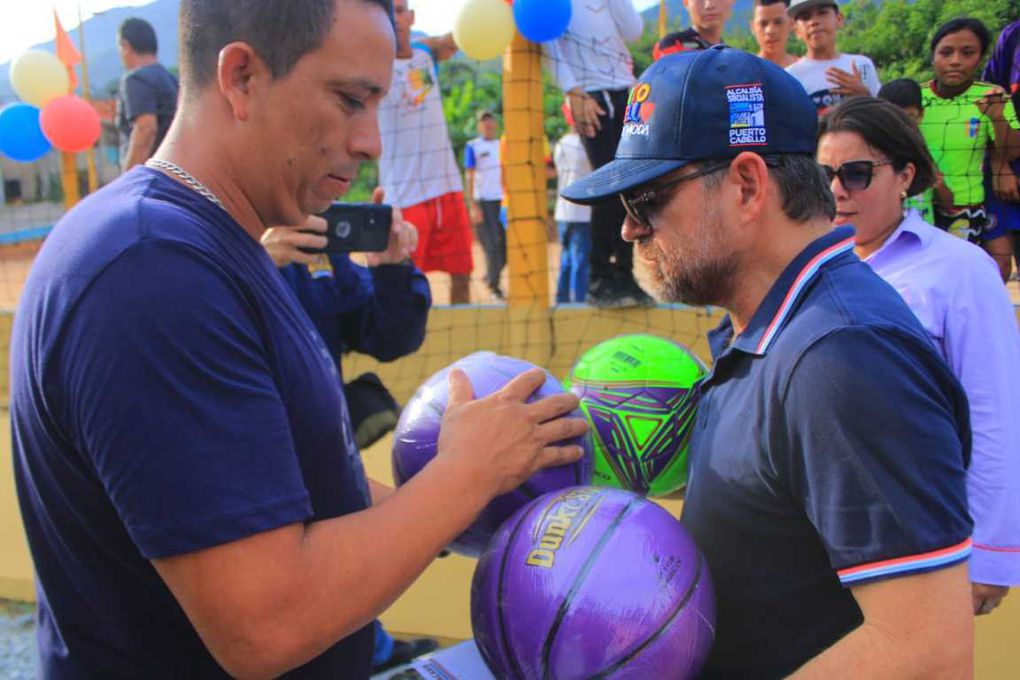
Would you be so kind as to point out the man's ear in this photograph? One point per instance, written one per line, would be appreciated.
(240, 72)
(749, 172)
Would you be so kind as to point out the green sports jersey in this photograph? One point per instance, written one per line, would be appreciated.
(922, 203)
(957, 134)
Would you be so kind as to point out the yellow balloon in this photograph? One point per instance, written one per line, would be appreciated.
(38, 77)
(484, 28)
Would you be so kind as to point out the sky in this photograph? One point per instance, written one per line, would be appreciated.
(24, 23)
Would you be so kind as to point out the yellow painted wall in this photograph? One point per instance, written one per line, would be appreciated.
(438, 603)
(15, 563)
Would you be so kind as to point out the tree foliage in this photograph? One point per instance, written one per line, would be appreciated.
(896, 33)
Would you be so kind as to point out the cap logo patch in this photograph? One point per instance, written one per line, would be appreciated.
(747, 115)
(639, 111)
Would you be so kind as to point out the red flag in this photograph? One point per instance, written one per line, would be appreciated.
(67, 53)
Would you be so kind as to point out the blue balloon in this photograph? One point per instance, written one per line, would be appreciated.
(542, 20)
(21, 137)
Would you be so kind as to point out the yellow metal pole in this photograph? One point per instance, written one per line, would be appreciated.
(662, 19)
(90, 155)
(69, 179)
(527, 243)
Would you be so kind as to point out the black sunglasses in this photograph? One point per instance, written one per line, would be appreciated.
(854, 175)
(642, 203)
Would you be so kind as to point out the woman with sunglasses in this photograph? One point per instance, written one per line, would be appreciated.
(963, 117)
(875, 157)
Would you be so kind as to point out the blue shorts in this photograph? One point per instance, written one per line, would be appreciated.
(972, 222)
(1006, 215)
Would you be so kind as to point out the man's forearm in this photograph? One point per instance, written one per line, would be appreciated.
(326, 579)
(139, 147)
(863, 653)
(924, 632)
(379, 491)
(869, 652)
(350, 569)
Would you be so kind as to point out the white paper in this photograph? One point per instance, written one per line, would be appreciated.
(460, 662)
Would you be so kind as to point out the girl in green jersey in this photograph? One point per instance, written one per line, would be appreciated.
(962, 117)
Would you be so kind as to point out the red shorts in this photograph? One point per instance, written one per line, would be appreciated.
(444, 234)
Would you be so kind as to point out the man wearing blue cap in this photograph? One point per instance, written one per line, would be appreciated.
(827, 464)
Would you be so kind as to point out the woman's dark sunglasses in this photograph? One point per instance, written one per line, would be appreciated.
(854, 175)
(642, 203)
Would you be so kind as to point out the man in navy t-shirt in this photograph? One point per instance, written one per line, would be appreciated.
(827, 465)
(147, 97)
(191, 493)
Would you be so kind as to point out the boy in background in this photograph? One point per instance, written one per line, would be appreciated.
(906, 94)
(572, 220)
(418, 169)
(771, 27)
(828, 75)
(708, 17)
(484, 179)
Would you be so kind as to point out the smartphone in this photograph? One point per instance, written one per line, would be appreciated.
(356, 228)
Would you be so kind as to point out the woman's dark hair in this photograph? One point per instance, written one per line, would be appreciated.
(886, 128)
(962, 24)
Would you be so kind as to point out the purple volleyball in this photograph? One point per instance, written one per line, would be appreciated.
(592, 582)
(417, 434)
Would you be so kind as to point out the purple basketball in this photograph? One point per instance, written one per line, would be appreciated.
(417, 434)
(592, 582)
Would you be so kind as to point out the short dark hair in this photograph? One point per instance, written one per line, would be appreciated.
(769, 3)
(279, 32)
(887, 129)
(975, 26)
(902, 92)
(805, 191)
(139, 34)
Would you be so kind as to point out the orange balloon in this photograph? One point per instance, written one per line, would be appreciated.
(70, 123)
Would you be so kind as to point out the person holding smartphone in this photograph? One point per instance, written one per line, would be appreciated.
(380, 310)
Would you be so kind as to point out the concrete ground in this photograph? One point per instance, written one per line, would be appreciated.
(17, 641)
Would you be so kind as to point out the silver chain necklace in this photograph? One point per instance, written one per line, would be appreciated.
(185, 177)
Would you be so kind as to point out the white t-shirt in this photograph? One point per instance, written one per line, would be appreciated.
(592, 54)
(572, 164)
(811, 74)
(482, 156)
(417, 159)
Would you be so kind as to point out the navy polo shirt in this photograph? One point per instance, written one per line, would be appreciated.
(168, 394)
(830, 450)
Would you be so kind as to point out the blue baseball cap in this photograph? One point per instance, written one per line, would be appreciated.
(694, 106)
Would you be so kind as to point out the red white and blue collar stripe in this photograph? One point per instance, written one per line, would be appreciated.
(800, 283)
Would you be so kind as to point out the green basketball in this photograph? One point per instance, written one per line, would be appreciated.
(637, 392)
